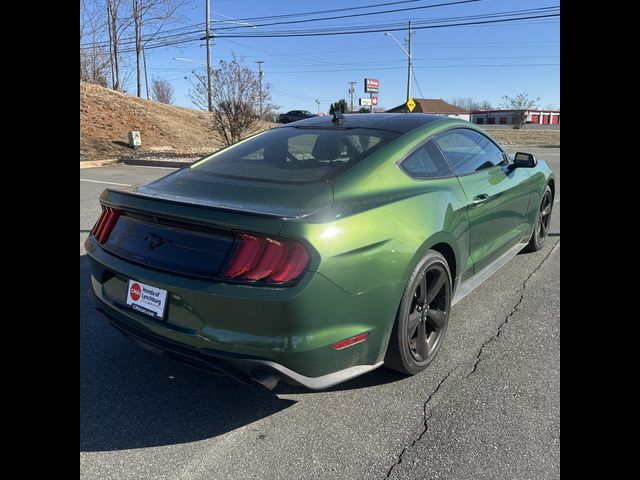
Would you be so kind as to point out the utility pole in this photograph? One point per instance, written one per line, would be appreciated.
(409, 65)
(352, 90)
(260, 62)
(144, 60)
(208, 37)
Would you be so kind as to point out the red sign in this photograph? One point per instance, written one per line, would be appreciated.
(371, 85)
(374, 100)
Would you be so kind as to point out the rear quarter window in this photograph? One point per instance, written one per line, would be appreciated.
(426, 162)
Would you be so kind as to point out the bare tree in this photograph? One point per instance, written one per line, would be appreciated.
(484, 105)
(551, 106)
(470, 104)
(94, 59)
(149, 17)
(118, 22)
(235, 95)
(162, 91)
(520, 103)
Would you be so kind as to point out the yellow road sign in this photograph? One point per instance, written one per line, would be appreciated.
(411, 104)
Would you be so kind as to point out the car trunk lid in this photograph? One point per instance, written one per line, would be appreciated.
(271, 199)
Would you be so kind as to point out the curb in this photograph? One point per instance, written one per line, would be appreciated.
(157, 163)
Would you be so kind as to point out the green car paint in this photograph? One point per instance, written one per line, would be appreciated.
(365, 230)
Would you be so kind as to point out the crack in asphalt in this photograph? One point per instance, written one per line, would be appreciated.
(475, 365)
(495, 336)
(424, 420)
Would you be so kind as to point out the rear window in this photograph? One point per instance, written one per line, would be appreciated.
(296, 155)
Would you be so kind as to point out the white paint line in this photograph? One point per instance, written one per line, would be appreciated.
(107, 183)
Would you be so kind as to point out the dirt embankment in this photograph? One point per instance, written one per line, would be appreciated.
(107, 116)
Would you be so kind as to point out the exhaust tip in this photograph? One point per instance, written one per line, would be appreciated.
(266, 379)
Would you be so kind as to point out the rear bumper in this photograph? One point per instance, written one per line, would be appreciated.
(240, 330)
(242, 368)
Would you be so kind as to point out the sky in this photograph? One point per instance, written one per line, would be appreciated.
(483, 62)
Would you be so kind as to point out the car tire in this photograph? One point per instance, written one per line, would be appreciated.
(422, 318)
(543, 222)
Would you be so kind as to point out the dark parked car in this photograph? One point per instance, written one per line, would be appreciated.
(295, 115)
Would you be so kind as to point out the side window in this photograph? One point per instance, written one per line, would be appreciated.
(469, 151)
(426, 162)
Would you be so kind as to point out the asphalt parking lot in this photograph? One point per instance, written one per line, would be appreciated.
(487, 408)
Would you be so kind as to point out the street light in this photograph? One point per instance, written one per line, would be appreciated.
(408, 54)
(318, 102)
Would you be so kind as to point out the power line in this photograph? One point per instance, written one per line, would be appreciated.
(160, 42)
(358, 7)
(382, 62)
(190, 30)
(274, 68)
(422, 66)
(353, 15)
(380, 29)
(415, 79)
(424, 21)
(186, 30)
(201, 25)
(389, 47)
(289, 93)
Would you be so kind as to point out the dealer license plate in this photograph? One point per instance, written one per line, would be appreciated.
(147, 299)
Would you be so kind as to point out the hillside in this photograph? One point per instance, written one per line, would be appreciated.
(107, 116)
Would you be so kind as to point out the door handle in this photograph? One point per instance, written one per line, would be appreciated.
(479, 199)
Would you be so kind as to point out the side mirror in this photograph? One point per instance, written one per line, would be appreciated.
(524, 160)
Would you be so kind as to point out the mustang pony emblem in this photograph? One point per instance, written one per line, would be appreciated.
(154, 241)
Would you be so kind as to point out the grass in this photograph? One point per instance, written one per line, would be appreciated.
(509, 136)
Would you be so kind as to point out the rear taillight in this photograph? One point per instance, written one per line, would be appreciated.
(105, 223)
(264, 259)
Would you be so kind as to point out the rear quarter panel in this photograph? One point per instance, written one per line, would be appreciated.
(377, 241)
(382, 221)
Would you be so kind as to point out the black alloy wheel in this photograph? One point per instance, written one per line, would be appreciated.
(423, 316)
(543, 222)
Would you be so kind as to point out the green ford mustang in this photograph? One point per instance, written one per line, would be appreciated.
(317, 251)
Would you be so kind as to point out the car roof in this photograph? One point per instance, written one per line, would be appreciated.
(395, 122)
